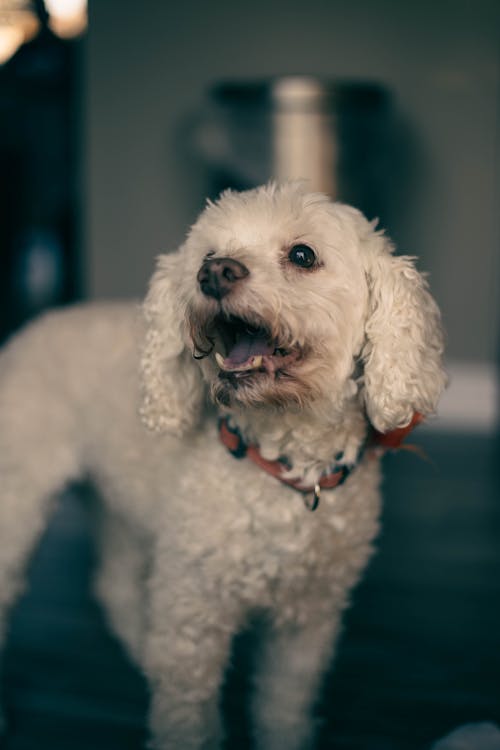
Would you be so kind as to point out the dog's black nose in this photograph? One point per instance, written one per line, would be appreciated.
(217, 276)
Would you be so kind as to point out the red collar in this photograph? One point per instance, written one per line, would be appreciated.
(392, 440)
(232, 439)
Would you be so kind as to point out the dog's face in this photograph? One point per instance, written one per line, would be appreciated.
(279, 297)
(275, 299)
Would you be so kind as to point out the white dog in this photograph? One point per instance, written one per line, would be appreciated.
(309, 335)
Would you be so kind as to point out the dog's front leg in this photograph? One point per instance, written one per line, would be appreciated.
(291, 664)
(186, 653)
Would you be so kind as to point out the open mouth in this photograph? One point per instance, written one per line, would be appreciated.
(249, 349)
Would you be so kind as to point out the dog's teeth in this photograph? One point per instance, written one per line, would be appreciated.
(253, 364)
(220, 360)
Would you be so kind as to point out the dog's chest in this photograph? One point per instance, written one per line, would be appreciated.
(257, 539)
(246, 534)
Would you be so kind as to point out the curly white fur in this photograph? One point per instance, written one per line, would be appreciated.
(192, 539)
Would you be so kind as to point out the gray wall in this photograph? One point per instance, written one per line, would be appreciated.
(150, 63)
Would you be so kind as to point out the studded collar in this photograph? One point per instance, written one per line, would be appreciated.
(375, 443)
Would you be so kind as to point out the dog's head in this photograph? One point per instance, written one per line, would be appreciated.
(281, 299)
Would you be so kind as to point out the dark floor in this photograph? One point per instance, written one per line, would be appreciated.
(419, 656)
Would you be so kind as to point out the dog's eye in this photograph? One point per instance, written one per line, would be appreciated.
(302, 255)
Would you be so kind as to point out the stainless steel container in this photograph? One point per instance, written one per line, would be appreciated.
(333, 134)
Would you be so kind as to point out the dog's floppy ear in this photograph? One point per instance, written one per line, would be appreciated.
(403, 371)
(172, 388)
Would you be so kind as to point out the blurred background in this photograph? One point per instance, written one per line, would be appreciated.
(116, 123)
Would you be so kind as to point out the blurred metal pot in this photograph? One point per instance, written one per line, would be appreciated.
(334, 134)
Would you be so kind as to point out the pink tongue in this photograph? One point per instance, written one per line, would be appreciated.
(248, 346)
